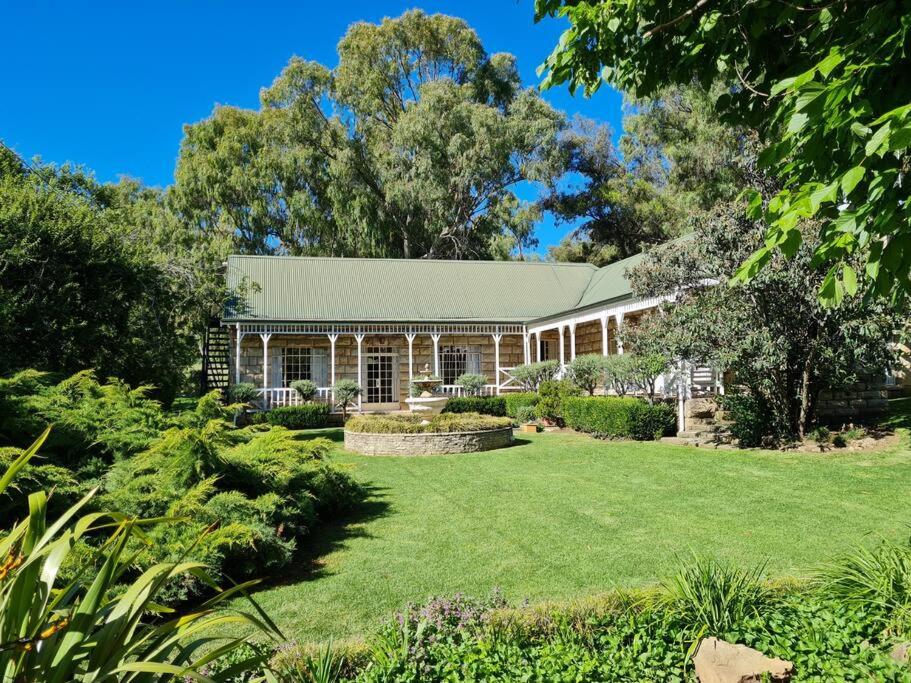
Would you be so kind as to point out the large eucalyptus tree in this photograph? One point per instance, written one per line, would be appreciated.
(412, 146)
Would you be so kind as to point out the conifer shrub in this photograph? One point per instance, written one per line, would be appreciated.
(257, 492)
(552, 394)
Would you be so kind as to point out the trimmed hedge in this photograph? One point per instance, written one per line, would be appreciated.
(483, 405)
(518, 399)
(619, 418)
(304, 416)
(417, 424)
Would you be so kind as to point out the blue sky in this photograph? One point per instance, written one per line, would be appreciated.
(110, 85)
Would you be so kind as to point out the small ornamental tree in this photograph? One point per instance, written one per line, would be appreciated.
(346, 392)
(531, 375)
(620, 373)
(586, 371)
(773, 333)
(650, 358)
(243, 392)
(305, 388)
(471, 383)
(646, 369)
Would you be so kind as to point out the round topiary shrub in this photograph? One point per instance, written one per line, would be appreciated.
(305, 388)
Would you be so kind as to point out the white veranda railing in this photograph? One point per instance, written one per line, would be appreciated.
(458, 390)
(275, 397)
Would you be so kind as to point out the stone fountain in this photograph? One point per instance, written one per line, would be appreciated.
(426, 402)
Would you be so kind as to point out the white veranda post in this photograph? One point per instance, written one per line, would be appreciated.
(562, 351)
(496, 359)
(538, 346)
(238, 338)
(572, 341)
(265, 338)
(618, 318)
(605, 345)
(332, 339)
(359, 338)
(410, 337)
(436, 354)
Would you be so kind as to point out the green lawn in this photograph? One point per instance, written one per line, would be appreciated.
(562, 515)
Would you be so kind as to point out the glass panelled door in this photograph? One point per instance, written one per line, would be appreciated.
(381, 378)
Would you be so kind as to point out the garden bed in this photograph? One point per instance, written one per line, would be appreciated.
(414, 435)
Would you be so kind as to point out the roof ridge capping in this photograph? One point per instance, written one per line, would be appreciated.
(381, 259)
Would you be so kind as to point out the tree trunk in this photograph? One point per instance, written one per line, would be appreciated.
(805, 380)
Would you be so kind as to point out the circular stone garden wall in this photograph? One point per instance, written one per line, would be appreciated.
(428, 443)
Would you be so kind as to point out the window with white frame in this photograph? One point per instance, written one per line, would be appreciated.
(458, 360)
(300, 362)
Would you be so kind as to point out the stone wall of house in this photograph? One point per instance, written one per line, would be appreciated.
(588, 338)
(427, 444)
(251, 359)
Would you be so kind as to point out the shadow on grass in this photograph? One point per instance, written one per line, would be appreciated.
(334, 434)
(899, 414)
(332, 535)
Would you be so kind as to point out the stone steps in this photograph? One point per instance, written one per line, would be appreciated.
(706, 425)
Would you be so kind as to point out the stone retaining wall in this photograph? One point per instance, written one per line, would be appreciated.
(862, 400)
(427, 444)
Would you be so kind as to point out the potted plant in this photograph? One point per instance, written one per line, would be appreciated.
(244, 396)
(525, 416)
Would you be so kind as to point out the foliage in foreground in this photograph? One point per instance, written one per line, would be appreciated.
(261, 489)
(416, 424)
(103, 624)
(646, 634)
(261, 492)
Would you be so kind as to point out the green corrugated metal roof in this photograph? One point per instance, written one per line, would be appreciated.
(343, 289)
(609, 282)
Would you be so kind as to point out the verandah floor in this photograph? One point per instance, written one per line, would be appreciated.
(562, 515)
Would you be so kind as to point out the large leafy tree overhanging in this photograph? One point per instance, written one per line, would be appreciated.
(825, 84)
(412, 146)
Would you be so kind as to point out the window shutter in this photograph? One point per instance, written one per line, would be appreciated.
(275, 367)
(320, 367)
(473, 362)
